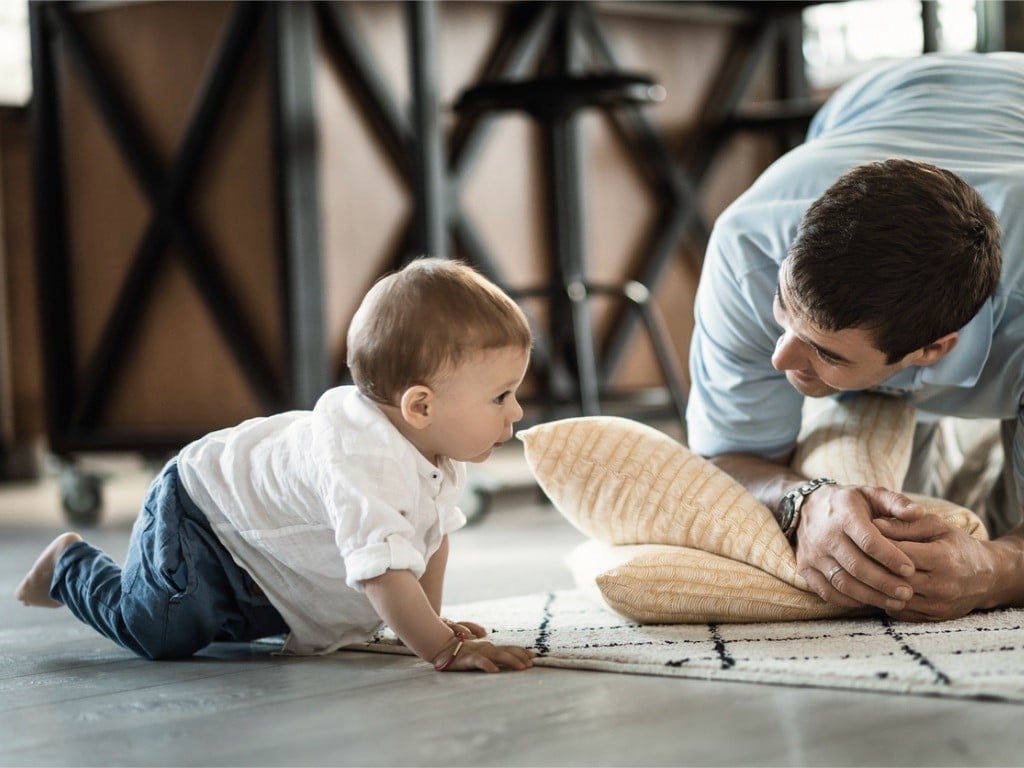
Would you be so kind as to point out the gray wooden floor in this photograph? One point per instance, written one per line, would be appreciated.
(69, 697)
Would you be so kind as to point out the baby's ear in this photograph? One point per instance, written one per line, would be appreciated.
(417, 406)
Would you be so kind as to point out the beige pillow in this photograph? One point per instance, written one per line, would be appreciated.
(665, 584)
(865, 440)
(623, 482)
(868, 440)
(722, 554)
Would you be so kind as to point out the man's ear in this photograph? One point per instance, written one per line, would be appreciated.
(417, 406)
(930, 354)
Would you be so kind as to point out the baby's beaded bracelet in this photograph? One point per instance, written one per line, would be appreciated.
(454, 627)
(442, 666)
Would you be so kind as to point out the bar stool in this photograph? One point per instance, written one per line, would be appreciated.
(553, 102)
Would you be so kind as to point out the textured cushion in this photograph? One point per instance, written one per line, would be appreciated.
(864, 440)
(623, 482)
(665, 584)
(677, 540)
(868, 440)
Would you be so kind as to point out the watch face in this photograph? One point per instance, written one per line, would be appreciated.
(787, 506)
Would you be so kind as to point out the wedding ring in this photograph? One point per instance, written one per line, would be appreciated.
(832, 573)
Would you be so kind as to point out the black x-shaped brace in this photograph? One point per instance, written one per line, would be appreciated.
(436, 209)
(524, 38)
(674, 173)
(166, 191)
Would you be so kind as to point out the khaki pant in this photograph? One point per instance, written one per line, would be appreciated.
(964, 461)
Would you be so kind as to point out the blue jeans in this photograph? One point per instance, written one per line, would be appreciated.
(179, 589)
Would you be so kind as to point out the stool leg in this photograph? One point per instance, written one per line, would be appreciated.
(666, 354)
(567, 229)
(583, 342)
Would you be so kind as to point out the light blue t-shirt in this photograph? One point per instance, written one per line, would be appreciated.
(962, 112)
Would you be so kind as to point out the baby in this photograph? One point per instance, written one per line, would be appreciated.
(320, 524)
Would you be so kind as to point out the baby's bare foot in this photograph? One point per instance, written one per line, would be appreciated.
(35, 587)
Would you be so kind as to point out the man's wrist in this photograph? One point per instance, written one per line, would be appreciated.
(1007, 564)
(789, 509)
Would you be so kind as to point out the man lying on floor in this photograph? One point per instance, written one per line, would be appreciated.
(869, 259)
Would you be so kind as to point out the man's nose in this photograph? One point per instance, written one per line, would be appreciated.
(790, 353)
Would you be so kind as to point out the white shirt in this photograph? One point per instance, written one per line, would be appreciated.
(312, 503)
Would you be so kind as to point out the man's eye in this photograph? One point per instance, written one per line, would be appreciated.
(826, 358)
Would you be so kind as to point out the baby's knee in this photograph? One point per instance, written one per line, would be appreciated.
(169, 649)
(159, 639)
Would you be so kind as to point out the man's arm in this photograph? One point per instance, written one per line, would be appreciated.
(767, 480)
(843, 556)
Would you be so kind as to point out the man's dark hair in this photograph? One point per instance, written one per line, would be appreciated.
(900, 248)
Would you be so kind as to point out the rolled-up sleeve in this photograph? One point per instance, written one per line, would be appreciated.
(395, 553)
(374, 503)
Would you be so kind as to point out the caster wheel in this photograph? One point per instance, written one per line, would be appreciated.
(82, 498)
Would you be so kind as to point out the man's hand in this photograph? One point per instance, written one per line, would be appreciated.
(845, 557)
(954, 573)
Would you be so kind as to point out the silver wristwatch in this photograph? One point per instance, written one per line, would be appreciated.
(789, 507)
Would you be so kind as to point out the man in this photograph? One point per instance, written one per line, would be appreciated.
(870, 258)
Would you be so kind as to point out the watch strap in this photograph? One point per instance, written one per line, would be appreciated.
(791, 518)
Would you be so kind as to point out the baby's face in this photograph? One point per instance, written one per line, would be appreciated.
(476, 406)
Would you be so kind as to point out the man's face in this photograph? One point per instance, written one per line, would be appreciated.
(819, 363)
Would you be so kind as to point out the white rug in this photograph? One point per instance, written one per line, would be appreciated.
(978, 656)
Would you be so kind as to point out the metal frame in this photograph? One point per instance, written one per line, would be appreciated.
(411, 141)
(558, 36)
(568, 33)
(292, 30)
(75, 403)
(434, 168)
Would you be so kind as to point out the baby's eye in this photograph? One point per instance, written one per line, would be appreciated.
(500, 399)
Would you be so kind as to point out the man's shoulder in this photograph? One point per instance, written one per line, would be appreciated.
(763, 220)
(754, 233)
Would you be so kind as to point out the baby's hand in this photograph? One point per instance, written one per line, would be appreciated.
(462, 655)
(465, 630)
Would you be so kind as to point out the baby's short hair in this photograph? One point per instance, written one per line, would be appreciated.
(423, 320)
